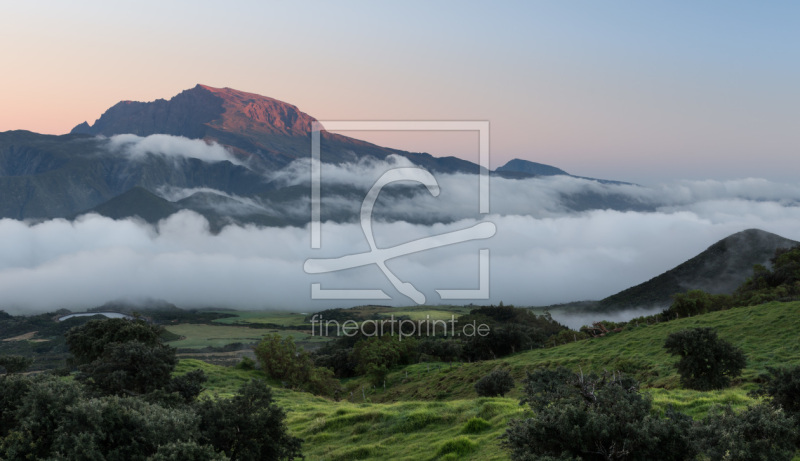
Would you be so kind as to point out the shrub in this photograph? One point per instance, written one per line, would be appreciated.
(188, 386)
(783, 386)
(495, 383)
(247, 426)
(246, 364)
(758, 433)
(594, 418)
(707, 362)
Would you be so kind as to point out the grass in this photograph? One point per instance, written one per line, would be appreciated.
(281, 318)
(466, 429)
(197, 336)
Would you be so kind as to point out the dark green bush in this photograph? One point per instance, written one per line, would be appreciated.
(706, 362)
(759, 433)
(782, 385)
(498, 382)
(594, 418)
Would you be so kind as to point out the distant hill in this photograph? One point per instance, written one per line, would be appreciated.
(138, 202)
(519, 168)
(720, 269)
(524, 166)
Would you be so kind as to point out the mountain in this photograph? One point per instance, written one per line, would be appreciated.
(720, 269)
(92, 169)
(266, 132)
(519, 168)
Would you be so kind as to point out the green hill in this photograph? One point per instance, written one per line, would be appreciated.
(430, 411)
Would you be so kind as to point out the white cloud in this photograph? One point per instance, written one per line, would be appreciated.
(543, 253)
(137, 147)
(534, 261)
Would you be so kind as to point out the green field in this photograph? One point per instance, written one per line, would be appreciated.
(196, 336)
(282, 318)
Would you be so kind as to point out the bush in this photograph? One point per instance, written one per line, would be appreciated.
(246, 364)
(594, 418)
(115, 428)
(759, 433)
(707, 362)
(188, 386)
(247, 426)
(783, 386)
(495, 383)
(44, 417)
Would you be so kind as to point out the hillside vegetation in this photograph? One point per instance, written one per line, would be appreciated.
(430, 410)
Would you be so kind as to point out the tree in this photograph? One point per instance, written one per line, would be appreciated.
(495, 383)
(88, 342)
(707, 362)
(696, 302)
(15, 363)
(248, 426)
(127, 357)
(37, 416)
(594, 418)
(281, 359)
(130, 367)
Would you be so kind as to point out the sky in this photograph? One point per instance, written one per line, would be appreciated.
(646, 92)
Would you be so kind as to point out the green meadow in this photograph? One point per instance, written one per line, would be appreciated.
(430, 410)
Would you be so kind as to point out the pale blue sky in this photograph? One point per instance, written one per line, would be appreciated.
(643, 91)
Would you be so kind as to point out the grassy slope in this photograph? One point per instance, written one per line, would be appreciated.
(767, 333)
(398, 431)
(407, 422)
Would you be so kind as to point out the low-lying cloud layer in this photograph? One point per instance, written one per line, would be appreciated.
(175, 147)
(544, 252)
(534, 261)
